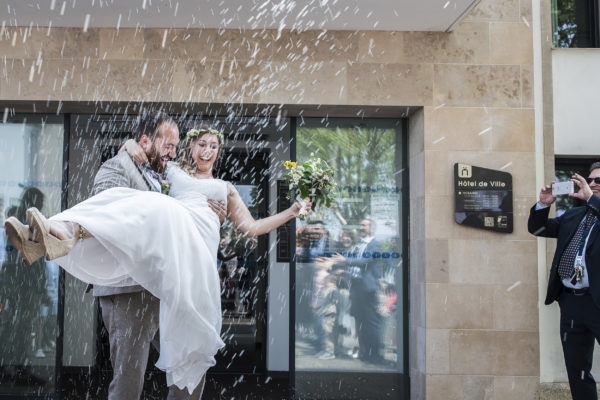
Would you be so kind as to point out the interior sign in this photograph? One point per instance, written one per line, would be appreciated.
(483, 198)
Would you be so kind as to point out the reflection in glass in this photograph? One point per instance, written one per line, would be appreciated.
(575, 23)
(242, 269)
(31, 149)
(349, 260)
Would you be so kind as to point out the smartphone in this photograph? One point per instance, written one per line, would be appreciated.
(561, 188)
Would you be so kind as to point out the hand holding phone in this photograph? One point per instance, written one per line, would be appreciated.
(561, 188)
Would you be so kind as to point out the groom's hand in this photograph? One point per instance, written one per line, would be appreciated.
(219, 208)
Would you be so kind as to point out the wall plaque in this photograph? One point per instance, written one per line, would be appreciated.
(483, 198)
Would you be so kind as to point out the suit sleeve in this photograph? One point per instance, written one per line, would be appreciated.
(594, 205)
(540, 225)
(111, 174)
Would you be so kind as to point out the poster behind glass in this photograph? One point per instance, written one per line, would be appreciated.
(349, 257)
(31, 149)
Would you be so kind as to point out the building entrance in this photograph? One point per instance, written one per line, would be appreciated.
(242, 264)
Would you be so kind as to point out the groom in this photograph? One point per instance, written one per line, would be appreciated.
(131, 313)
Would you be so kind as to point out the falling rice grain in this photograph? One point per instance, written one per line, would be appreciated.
(86, 23)
(164, 41)
(485, 131)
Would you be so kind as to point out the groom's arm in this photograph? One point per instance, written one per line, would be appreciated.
(111, 174)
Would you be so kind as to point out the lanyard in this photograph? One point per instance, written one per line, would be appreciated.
(584, 237)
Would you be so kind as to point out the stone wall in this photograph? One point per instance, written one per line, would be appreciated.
(474, 309)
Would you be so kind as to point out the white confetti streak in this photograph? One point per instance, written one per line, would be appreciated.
(222, 65)
(438, 107)
(5, 118)
(32, 72)
(436, 141)
(485, 131)
(506, 166)
(144, 5)
(447, 4)
(514, 285)
(52, 4)
(86, 23)
(164, 41)
(525, 21)
(119, 22)
(62, 9)
(144, 69)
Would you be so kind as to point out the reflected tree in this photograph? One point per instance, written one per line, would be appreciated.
(362, 158)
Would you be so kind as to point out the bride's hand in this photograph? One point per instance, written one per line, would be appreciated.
(219, 208)
(296, 207)
(135, 151)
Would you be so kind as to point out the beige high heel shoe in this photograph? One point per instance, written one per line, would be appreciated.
(54, 247)
(18, 236)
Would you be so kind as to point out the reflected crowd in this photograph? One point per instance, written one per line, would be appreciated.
(347, 295)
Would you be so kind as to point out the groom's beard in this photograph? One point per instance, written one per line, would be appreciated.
(156, 161)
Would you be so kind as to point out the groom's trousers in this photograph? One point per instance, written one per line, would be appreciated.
(132, 323)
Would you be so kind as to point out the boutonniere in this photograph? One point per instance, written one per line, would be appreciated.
(165, 186)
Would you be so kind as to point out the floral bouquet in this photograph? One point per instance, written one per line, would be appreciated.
(313, 179)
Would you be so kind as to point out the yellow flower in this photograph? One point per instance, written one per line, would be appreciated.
(289, 164)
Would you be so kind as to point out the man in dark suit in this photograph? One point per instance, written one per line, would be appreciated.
(363, 264)
(575, 276)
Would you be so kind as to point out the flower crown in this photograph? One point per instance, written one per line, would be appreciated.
(194, 133)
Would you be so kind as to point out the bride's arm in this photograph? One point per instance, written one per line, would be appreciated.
(242, 219)
(135, 151)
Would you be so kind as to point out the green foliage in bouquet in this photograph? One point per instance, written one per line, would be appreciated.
(312, 179)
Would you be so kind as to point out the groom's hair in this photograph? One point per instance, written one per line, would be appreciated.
(147, 123)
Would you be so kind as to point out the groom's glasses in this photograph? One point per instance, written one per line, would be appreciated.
(596, 180)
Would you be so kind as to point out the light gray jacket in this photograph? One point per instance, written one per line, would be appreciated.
(119, 171)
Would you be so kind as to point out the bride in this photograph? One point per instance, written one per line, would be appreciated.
(167, 244)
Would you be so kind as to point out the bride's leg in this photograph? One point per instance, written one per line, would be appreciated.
(68, 230)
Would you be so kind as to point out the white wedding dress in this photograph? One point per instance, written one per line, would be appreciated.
(167, 244)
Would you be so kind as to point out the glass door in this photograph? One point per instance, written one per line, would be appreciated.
(31, 164)
(350, 276)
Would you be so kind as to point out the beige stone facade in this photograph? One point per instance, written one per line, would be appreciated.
(469, 96)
